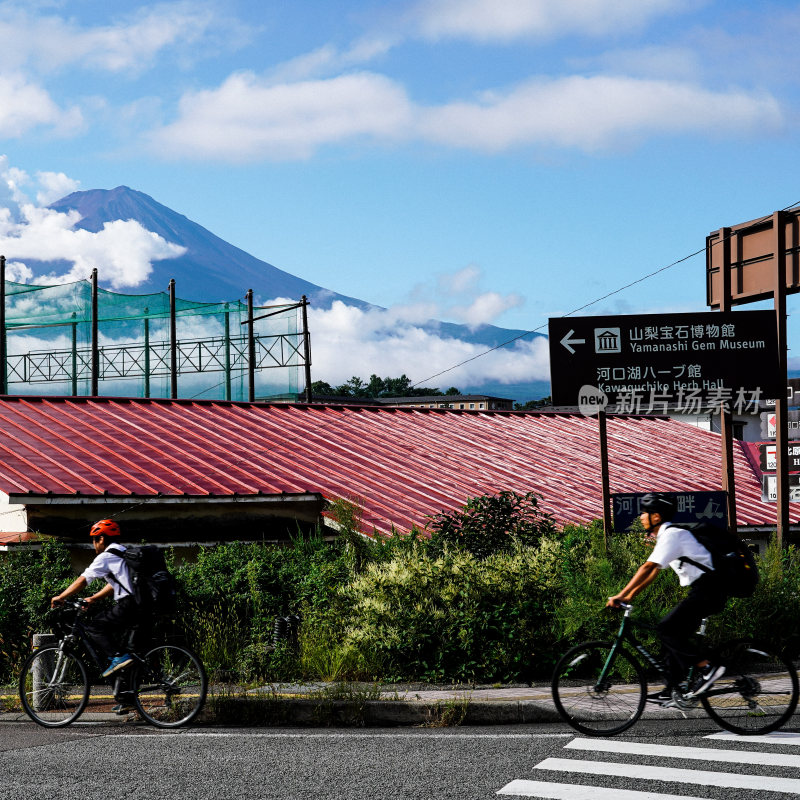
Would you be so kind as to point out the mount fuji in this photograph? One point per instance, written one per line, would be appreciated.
(212, 270)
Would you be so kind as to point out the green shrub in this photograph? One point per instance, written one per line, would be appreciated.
(27, 582)
(233, 592)
(449, 608)
(491, 524)
(455, 617)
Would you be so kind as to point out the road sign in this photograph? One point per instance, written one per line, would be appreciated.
(768, 457)
(769, 488)
(708, 507)
(769, 427)
(792, 395)
(694, 362)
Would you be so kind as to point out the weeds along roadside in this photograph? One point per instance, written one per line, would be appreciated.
(493, 596)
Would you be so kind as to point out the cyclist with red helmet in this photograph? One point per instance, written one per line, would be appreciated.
(108, 625)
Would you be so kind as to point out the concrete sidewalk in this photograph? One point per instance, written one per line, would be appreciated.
(370, 705)
(424, 705)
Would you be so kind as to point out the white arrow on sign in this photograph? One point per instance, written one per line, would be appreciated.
(567, 342)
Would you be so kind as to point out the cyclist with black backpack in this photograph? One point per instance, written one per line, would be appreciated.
(694, 564)
(124, 617)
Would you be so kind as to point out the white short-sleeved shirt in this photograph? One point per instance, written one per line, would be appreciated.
(106, 564)
(672, 544)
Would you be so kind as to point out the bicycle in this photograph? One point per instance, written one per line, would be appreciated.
(168, 685)
(600, 688)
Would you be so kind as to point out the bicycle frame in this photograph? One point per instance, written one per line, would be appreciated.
(625, 634)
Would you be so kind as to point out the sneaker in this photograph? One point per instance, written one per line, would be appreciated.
(705, 680)
(123, 708)
(117, 663)
(662, 696)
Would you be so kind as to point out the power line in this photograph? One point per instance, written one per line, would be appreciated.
(592, 302)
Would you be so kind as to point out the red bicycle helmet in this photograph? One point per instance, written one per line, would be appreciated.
(105, 527)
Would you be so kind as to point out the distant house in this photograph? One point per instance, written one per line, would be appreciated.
(458, 402)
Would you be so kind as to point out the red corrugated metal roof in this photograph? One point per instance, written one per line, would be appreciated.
(401, 464)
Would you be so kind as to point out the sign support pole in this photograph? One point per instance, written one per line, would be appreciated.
(781, 404)
(725, 415)
(607, 524)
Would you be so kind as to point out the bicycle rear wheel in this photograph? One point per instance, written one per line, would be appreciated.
(758, 692)
(53, 687)
(599, 707)
(171, 685)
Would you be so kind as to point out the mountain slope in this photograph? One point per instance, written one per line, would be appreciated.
(212, 270)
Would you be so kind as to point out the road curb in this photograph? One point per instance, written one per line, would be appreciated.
(321, 711)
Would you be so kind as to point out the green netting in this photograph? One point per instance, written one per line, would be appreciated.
(49, 330)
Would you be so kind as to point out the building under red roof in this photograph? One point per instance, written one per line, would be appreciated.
(184, 470)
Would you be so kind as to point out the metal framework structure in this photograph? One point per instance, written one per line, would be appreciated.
(147, 359)
(153, 360)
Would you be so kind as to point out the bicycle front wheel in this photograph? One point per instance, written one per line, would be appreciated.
(758, 692)
(53, 687)
(171, 686)
(598, 696)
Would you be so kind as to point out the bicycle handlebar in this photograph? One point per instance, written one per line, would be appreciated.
(78, 605)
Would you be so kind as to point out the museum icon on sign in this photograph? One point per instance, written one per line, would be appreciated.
(607, 340)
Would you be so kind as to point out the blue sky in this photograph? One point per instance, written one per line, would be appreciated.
(497, 161)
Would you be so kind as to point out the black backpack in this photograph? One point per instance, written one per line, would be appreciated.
(153, 586)
(733, 560)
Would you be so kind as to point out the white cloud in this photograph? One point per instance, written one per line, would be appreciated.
(125, 249)
(250, 119)
(349, 341)
(590, 113)
(463, 280)
(28, 232)
(485, 308)
(490, 20)
(129, 44)
(55, 185)
(25, 106)
(329, 59)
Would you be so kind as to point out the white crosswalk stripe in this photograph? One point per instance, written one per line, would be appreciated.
(693, 753)
(725, 780)
(574, 791)
(628, 769)
(778, 737)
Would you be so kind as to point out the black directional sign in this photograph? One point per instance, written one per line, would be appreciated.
(768, 457)
(708, 507)
(690, 361)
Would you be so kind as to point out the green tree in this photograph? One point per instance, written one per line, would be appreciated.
(491, 523)
(532, 405)
(379, 387)
(321, 388)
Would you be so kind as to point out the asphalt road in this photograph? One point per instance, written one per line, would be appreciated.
(659, 760)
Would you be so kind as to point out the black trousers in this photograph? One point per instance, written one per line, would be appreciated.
(676, 630)
(118, 629)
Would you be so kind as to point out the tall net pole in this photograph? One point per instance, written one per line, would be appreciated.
(95, 390)
(3, 352)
